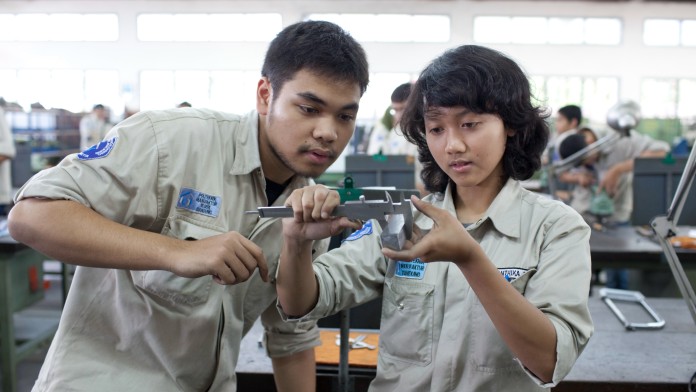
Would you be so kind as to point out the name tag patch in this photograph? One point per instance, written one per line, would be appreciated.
(97, 151)
(414, 269)
(511, 274)
(198, 202)
(365, 230)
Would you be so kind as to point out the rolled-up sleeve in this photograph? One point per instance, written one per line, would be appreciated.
(560, 289)
(105, 179)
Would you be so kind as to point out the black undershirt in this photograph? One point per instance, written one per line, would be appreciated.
(274, 190)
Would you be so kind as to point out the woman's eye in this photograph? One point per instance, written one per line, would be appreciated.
(469, 124)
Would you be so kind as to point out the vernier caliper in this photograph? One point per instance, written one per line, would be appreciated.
(395, 219)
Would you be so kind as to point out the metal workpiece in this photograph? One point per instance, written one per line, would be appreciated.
(395, 218)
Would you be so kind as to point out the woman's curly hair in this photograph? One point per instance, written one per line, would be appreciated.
(483, 81)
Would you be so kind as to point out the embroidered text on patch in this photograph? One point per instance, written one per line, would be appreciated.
(511, 274)
(198, 202)
(414, 269)
(97, 151)
(365, 230)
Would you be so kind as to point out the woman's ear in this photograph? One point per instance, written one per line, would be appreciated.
(264, 92)
(510, 132)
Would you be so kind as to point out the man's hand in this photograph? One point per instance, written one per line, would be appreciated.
(230, 258)
(610, 182)
(448, 240)
(312, 219)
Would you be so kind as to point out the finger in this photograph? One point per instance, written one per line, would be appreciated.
(239, 268)
(308, 204)
(346, 223)
(331, 201)
(295, 201)
(260, 261)
(223, 275)
(252, 257)
(427, 209)
(404, 254)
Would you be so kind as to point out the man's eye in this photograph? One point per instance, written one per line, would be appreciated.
(308, 109)
(469, 125)
(347, 117)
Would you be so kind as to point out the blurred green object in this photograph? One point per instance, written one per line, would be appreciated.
(348, 192)
(665, 129)
(601, 204)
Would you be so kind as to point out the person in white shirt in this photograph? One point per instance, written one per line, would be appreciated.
(93, 127)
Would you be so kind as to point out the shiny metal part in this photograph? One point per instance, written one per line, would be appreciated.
(609, 295)
(395, 219)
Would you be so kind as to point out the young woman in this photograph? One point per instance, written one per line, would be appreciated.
(491, 293)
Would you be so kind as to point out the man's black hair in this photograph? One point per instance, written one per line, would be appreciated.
(400, 94)
(319, 47)
(483, 81)
(571, 112)
(571, 144)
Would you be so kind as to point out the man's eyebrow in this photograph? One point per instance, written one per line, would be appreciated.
(312, 97)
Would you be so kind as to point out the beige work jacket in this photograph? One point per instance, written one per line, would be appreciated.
(435, 335)
(188, 174)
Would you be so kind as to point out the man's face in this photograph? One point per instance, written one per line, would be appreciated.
(304, 127)
(562, 123)
(397, 110)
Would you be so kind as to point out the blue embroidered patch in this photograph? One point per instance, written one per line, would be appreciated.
(414, 269)
(198, 202)
(365, 230)
(511, 274)
(97, 151)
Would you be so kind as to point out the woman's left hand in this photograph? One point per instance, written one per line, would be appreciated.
(448, 240)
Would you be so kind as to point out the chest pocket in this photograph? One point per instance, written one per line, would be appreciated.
(170, 287)
(407, 322)
(488, 350)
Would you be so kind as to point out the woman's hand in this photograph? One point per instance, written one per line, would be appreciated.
(448, 240)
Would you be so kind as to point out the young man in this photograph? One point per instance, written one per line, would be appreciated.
(154, 217)
(494, 297)
(389, 139)
(568, 120)
(93, 127)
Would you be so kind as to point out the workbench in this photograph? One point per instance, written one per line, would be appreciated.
(21, 285)
(625, 247)
(614, 360)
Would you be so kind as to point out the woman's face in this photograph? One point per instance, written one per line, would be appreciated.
(589, 139)
(468, 146)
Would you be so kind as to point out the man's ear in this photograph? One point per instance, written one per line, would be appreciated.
(264, 92)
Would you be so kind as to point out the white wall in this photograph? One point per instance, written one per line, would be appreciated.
(629, 61)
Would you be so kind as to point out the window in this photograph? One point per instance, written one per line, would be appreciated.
(229, 91)
(661, 32)
(595, 95)
(669, 32)
(208, 27)
(58, 27)
(541, 30)
(659, 98)
(391, 27)
(73, 90)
